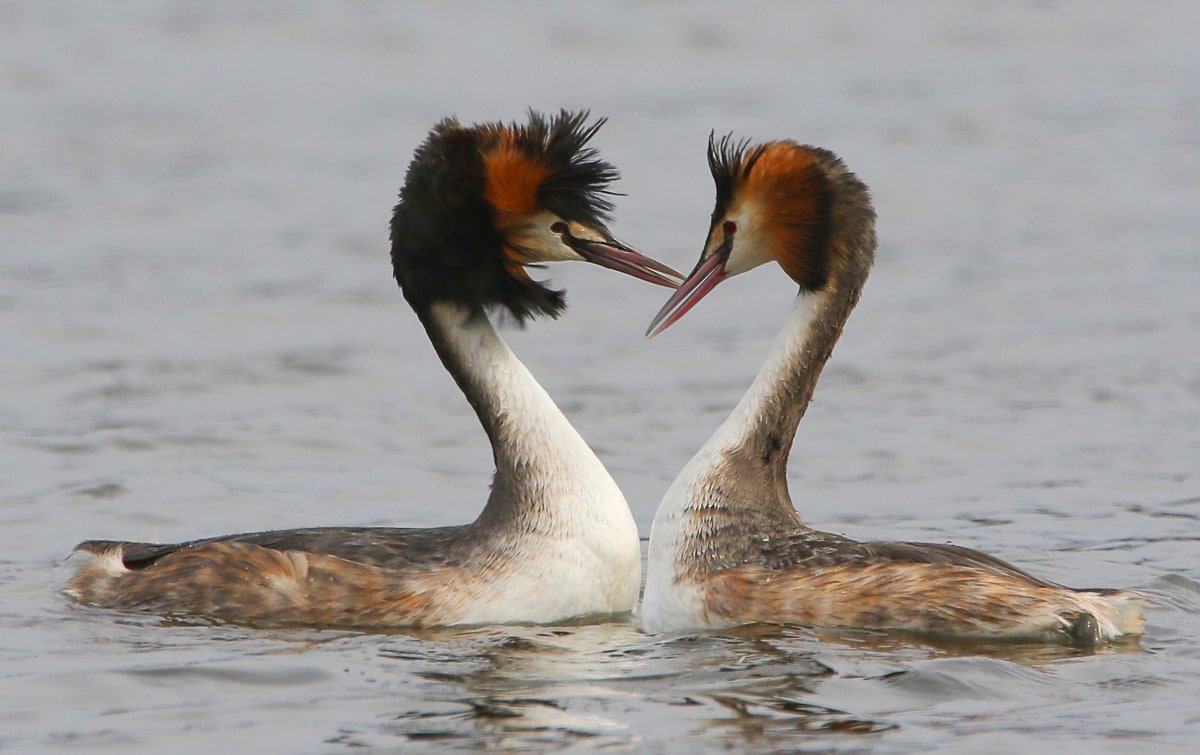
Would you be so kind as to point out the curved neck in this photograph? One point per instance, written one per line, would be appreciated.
(749, 452)
(543, 466)
(764, 422)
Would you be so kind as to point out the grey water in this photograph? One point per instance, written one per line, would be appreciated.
(199, 334)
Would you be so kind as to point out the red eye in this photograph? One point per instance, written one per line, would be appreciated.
(558, 227)
(729, 227)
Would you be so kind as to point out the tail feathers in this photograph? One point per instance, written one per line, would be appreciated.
(101, 547)
(97, 576)
(1108, 615)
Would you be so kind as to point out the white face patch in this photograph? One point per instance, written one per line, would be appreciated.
(750, 242)
(539, 238)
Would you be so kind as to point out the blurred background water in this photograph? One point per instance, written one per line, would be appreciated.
(199, 334)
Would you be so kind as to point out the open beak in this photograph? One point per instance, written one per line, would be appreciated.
(623, 258)
(708, 273)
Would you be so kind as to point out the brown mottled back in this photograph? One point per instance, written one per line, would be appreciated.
(250, 583)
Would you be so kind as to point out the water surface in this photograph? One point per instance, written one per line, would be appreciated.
(199, 334)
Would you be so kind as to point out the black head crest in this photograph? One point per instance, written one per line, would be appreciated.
(576, 183)
(792, 182)
(447, 232)
(729, 165)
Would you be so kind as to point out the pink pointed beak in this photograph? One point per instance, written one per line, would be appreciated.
(709, 271)
(616, 255)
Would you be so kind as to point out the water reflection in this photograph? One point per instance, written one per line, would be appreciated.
(607, 684)
(759, 683)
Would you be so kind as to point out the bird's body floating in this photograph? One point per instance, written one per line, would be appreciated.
(727, 546)
(556, 538)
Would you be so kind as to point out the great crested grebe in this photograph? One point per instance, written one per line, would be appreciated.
(556, 539)
(727, 546)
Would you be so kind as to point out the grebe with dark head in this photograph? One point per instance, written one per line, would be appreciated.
(727, 546)
(556, 538)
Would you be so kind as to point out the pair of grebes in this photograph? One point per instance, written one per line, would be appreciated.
(556, 539)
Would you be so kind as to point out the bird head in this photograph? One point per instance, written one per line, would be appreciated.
(481, 204)
(776, 202)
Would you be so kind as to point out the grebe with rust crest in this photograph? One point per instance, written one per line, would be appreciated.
(556, 539)
(727, 545)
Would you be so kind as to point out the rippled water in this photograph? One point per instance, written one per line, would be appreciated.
(199, 334)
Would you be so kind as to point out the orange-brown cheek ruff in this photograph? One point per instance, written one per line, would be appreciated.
(512, 184)
(513, 178)
(789, 199)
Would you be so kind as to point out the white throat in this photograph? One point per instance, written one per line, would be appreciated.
(559, 522)
(781, 361)
(667, 602)
(532, 434)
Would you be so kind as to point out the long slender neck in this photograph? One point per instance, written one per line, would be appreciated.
(749, 452)
(545, 472)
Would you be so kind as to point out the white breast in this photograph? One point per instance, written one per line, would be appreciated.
(582, 554)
